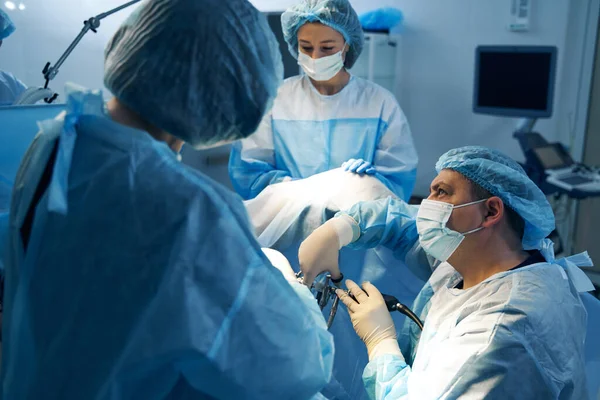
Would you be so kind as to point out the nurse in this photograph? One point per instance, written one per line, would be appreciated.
(133, 276)
(326, 118)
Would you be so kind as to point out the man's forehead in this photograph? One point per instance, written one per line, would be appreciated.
(450, 178)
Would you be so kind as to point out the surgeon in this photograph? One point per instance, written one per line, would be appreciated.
(132, 276)
(10, 87)
(326, 118)
(503, 318)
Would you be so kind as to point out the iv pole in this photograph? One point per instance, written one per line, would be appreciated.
(91, 24)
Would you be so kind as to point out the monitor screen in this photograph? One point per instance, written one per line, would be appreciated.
(551, 158)
(515, 81)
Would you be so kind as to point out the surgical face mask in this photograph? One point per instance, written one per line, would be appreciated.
(434, 236)
(324, 68)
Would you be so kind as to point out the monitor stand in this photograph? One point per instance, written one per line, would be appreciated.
(526, 125)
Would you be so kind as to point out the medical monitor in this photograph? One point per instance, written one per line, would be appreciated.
(515, 81)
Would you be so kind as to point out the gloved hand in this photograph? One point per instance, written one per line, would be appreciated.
(320, 253)
(369, 314)
(358, 166)
(281, 263)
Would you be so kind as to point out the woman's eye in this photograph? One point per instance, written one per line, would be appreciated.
(442, 192)
(327, 48)
(307, 49)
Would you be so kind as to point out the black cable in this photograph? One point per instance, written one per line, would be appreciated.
(408, 312)
(393, 304)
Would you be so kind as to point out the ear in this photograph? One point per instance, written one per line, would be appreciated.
(346, 50)
(345, 53)
(494, 212)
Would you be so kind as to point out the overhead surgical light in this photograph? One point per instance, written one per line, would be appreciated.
(91, 24)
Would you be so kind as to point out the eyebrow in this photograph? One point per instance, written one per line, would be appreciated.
(438, 184)
(323, 42)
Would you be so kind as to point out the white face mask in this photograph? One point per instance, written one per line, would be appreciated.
(321, 69)
(436, 239)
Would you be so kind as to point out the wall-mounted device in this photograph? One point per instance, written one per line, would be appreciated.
(520, 14)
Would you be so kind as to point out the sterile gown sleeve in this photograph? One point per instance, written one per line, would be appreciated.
(252, 162)
(468, 365)
(10, 88)
(390, 223)
(273, 341)
(396, 157)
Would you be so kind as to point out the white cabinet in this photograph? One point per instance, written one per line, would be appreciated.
(378, 61)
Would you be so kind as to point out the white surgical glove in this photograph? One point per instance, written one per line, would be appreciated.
(281, 263)
(370, 318)
(320, 251)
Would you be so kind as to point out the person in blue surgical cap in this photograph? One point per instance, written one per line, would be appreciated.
(326, 118)
(502, 317)
(10, 87)
(132, 276)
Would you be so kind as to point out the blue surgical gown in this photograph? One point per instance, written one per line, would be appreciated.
(518, 334)
(10, 88)
(149, 284)
(307, 133)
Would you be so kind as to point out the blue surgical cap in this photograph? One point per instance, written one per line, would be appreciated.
(204, 71)
(337, 14)
(503, 177)
(6, 25)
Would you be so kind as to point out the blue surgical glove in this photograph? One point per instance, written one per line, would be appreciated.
(358, 166)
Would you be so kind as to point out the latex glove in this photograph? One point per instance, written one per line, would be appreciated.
(320, 253)
(281, 263)
(369, 315)
(358, 166)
